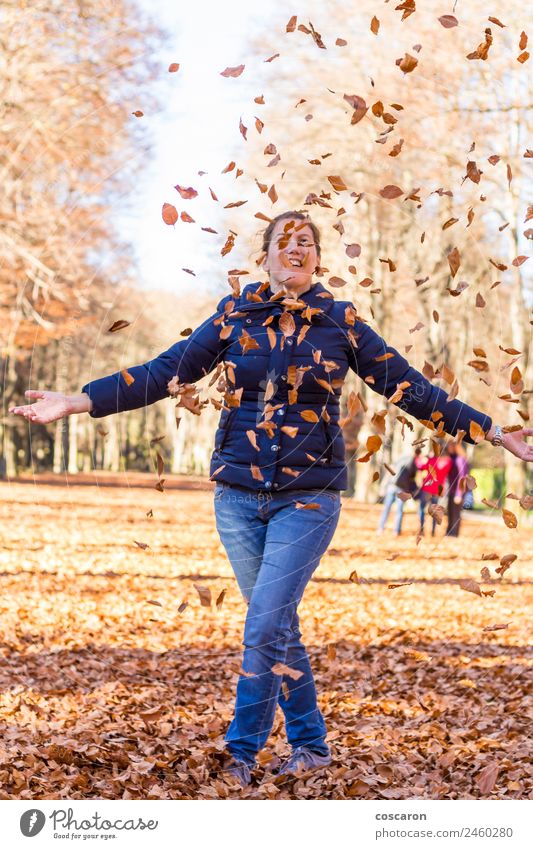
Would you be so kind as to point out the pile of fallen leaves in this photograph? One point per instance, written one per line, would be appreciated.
(121, 627)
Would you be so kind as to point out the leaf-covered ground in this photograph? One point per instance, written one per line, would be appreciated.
(109, 691)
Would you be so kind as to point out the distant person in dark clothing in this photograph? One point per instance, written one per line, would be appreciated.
(456, 493)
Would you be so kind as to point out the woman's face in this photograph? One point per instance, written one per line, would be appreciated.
(292, 256)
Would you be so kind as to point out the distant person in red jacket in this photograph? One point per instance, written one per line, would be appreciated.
(438, 468)
(456, 493)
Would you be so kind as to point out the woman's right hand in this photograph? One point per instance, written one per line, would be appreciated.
(51, 406)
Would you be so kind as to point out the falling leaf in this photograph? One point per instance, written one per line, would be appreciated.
(236, 71)
(282, 669)
(173, 67)
(501, 627)
(169, 213)
(391, 192)
(407, 64)
(374, 25)
(509, 518)
(118, 325)
(336, 282)
(204, 594)
(338, 184)
(272, 194)
(470, 586)
(186, 193)
(291, 26)
(142, 545)
(138, 113)
(220, 599)
(448, 21)
(454, 261)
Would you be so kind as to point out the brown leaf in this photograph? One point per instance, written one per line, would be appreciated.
(470, 586)
(486, 778)
(509, 518)
(220, 599)
(173, 67)
(256, 473)
(291, 26)
(252, 436)
(282, 669)
(118, 325)
(477, 434)
(391, 192)
(186, 193)
(169, 214)
(286, 324)
(407, 64)
(454, 261)
(307, 505)
(448, 21)
(309, 416)
(374, 25)
(204, 594)
(338, 184)
(236, 71)
(128, 378)
(336, 282)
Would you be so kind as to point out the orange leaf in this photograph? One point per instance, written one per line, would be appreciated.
(236, 71)
(169, 213)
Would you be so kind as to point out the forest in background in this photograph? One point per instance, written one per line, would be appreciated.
(394, 97)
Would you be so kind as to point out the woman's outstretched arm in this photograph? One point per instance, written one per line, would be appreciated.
(138, 386)
(384, 369)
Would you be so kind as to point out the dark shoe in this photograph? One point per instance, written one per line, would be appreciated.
(304, 760)
(239, 770)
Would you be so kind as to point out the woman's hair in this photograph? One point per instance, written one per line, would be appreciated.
(299, 216)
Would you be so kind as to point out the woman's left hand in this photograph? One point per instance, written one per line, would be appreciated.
(515, 442)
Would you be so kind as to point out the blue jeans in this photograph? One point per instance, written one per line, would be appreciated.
(391, 496)
(274, 548)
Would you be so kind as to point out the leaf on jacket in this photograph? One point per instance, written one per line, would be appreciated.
(477, 434)
(128, 378)
(217, 471)
(350, 315)
(247, 342)
(290, 431)
(301, 335)
(256, 473)
(252, 436)
(271, 338)
(286, 324)
(288, 471)
(270, 390)
(309, 415)
(324, 384)
(204, 594)
(309, 505)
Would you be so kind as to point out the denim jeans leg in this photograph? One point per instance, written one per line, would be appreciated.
(304, 723)
(387, 504)
(242, 532)
(295, 542)
(399, 514)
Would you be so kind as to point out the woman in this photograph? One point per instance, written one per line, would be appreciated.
(456, 493)
(278, 462)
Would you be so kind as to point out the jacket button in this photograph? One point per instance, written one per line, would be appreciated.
(276, 485)
(248, 321)
(280, 412)
(268, 484)
(284, 378)
(289, 341)
(274, 447)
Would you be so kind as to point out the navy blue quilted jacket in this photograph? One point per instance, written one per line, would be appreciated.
(294, 451)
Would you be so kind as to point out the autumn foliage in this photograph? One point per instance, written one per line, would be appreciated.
(122, 626)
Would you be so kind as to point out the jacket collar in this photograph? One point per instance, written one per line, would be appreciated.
(315, 298)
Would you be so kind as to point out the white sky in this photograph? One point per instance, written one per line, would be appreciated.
(197, 128)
